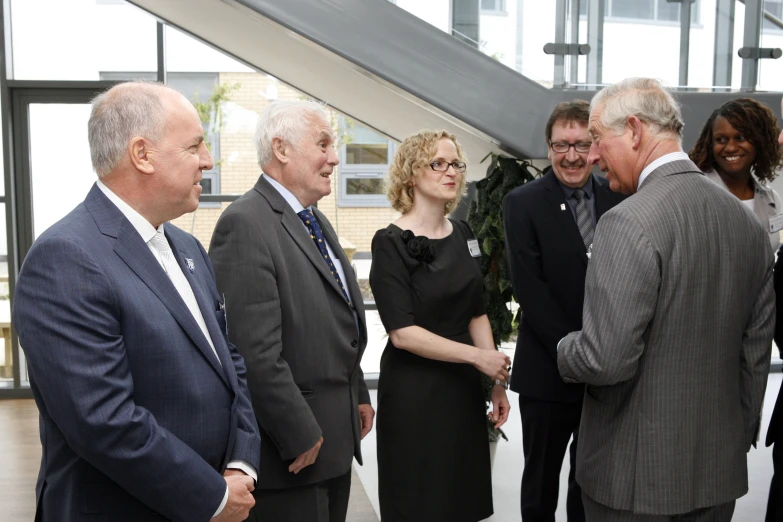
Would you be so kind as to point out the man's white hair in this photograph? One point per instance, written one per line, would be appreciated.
(644, 98)
(287, 120)
(124, 111)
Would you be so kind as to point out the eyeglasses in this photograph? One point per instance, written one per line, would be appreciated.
(443, 166)
(562, 147)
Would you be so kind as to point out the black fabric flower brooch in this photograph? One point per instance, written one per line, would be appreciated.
(418, 247)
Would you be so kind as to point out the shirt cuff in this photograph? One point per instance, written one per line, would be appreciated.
(222, 504)
(244, 467)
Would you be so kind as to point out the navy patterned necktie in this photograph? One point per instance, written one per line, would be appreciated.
(584, 221)
(320, 242)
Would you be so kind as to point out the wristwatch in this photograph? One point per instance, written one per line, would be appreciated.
(504, 384)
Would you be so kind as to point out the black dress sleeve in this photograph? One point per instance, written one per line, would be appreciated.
(479, 308)
(390, 281)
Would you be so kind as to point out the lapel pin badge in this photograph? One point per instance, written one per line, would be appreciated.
(562, 206)
(191, 265)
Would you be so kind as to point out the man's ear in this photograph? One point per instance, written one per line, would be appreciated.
(637, 128)
(280, 149)
(139, 154)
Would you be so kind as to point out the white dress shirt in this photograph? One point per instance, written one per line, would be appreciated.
(147, 232)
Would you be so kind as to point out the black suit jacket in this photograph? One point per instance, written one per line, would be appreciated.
(775, 431)
(547, 260)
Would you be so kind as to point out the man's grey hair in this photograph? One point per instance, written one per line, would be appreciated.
(287, 120)
(644, 98)
(124, 111)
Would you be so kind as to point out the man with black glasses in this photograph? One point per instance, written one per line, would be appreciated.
(549, 226)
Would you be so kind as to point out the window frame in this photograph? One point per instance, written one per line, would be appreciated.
(498, 10)
(695, 18)
(361, 171)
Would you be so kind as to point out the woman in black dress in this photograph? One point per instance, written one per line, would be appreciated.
(433, 450)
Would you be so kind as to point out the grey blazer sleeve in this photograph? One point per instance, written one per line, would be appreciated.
(621, 291)
(756, 354)
(246, 274)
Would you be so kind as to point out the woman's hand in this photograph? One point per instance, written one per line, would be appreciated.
(500, 406)
(492, 363)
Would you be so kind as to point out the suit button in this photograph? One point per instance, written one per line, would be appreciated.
(354, 343)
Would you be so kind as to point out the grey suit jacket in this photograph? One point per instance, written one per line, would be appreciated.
(675, 347)
(297, 333)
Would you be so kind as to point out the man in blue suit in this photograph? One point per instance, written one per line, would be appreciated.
(144, 409)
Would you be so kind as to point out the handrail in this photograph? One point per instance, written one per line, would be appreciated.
(770, 17)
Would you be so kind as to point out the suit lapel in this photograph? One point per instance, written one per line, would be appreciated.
(207, 312)
(562, 214)
(293, 225)
(132, 250)
(136, 254)
(334, 242)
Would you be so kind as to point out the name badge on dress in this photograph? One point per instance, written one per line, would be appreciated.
(473, 246)
(775, 223)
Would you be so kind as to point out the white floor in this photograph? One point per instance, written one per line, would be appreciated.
(507, 471)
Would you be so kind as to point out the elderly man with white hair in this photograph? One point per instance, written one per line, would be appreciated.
(677, 325)
(296, 313)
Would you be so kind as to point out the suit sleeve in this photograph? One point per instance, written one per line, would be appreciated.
(778, 279)
(544, 316)
(68, 320)
(621, 291)
(246, 274)
(755, 357)
(248, 442)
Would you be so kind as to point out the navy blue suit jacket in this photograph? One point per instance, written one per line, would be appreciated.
(137, 417)
(547, 261)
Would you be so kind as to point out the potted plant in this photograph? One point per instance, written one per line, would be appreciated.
(486, 219)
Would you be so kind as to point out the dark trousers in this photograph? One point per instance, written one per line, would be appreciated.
(775, 502)
(599, 513)
(325, 501)
(546, 429)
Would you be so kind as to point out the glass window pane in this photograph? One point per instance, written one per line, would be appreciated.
(58, 131)
(669, 12)
(366, 154)
(640, 9)
(79, 39)
(364, 186)
(488, 5)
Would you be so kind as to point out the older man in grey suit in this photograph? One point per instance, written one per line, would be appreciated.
(677, 325)
(295, 312)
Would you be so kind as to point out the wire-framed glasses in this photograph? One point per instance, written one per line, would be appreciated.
(562, 147)
(443, 166)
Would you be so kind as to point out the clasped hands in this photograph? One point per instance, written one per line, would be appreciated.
(240, 498)
(496, 366)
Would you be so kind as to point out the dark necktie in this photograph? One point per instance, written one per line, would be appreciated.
(320, 242)
(584, 221)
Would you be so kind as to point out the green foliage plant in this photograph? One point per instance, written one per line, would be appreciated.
(211, 111)
(485, 217)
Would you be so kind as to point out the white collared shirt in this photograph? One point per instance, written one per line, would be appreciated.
(147, 232)
(297, 207)
(666, 158)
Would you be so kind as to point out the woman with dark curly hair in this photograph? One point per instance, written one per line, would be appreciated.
(740, 138)
(433, 448)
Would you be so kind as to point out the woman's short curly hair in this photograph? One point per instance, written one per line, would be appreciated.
(759, 126)
(416, 152)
